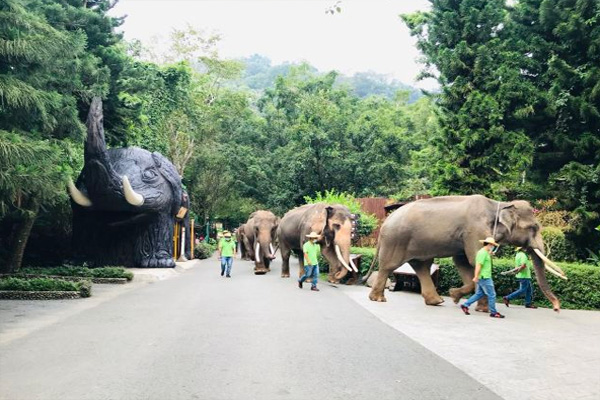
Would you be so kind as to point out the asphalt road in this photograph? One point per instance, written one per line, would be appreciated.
(200, 336)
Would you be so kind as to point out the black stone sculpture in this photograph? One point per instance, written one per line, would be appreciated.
(124, 202)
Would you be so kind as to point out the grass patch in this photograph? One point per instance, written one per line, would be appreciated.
(84, 287)
(104, 272)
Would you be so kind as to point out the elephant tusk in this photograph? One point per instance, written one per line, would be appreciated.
(549, 263)
(555, 273)
(133, 198)
(77, 196)
(353, 266)
(338, 253)
(271, 250)
(257, 252)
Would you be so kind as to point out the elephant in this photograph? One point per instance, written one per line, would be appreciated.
(333, 222)
(124, 203)
(257, 237)
(239, 236)
(451, 226)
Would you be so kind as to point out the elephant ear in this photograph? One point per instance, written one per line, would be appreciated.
(168, 171)
(508, 217)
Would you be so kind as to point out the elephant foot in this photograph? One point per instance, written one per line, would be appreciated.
(482, 308)
(157, 263)
(285, 275)
(260, 271)
(351, 281)
(334, 281)
(433, 301)
(377, 297)
(455, 294)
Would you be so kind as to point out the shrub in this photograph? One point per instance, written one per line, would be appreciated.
(204, 250)
(367, 254)
(557, 246)
(67, 270)
(45, 285)
(366, 223)
(581, 291)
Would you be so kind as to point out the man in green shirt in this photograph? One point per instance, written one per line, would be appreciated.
(311, 250)
(483, 279)
(226, 250)
(523, 271)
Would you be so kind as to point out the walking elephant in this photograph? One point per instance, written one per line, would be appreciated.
(239, 236)
(332, 222)
(125, 202)
(257, 237)
(452, 226)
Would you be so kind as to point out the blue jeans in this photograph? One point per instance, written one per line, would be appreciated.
(310, 271)
(526, 288)
(226, 263)
(485, 287)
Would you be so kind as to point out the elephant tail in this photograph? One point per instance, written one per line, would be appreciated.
(371, 268)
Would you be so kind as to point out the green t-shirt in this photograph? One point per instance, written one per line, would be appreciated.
(485, 259)
(227, 248)
(520, 259)
(311, 253)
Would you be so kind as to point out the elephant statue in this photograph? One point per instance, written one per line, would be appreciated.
(125, 202)
(332, 222)
(451, 226)
(257, 239)
(239, 236)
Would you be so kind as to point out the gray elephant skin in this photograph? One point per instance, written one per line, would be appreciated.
(125, 203)
(451, 226)
(333, 222)
(257, 237)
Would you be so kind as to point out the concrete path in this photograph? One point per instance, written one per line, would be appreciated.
(197, 335)
(531, 354)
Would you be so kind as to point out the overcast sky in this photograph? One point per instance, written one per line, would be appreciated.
(367, 35)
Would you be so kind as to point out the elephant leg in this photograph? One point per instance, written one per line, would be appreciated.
(301, 266)
(154, 247)
(285, 260)
(466, 272)
(249, 249)
(428, 291)
(387, 264)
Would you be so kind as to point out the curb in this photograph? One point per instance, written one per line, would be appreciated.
(38, 295)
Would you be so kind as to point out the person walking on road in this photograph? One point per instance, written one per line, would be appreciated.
(483, 279)
(311, 250)
(523, 274)
(226, 250)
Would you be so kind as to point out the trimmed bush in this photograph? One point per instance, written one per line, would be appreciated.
(104, 272)
(581, 291)
(84, 287)
(204, 250)
(367, 254)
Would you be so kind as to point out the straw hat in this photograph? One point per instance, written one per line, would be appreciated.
(227, 234)
(312, 235)
(489, 240)
(518, 248)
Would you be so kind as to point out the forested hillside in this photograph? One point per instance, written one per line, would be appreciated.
(517, 117)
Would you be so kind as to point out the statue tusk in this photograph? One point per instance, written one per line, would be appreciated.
(257, 252)
(133, 198)
(555, 273)
(353, 266)
(77, 196)
(338, 253)
(548, 262)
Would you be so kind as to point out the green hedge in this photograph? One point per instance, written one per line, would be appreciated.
(581, 291)
(367, 254)
(45, 285)
(105, 272)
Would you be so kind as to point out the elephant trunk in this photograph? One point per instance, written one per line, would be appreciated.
(540, 275)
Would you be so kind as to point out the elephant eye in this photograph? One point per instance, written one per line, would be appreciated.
(149, 174)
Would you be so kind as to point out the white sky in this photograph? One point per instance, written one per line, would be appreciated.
(366, 35)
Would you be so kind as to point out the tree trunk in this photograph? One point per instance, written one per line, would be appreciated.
(21, 235)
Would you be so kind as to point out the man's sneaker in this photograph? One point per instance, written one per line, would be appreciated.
(227, 276)
(506, 301)
(222, 273)
(465, 309)
(300, 284)
(314, 289)
(496, 315)
(530, 306)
